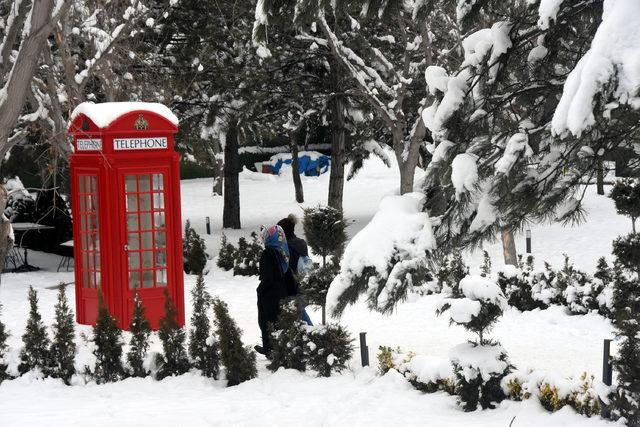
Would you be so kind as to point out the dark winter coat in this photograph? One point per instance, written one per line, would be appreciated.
(297, 248)
(271, 291)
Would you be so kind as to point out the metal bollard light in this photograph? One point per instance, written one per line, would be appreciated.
(528, 241)
(607, 372)
(364, 350)
(208, 224)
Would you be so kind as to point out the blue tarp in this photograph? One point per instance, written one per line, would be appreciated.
(309, 166)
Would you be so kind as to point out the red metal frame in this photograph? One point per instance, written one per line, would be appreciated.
(117, 219)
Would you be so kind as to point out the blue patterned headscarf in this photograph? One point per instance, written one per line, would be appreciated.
(274, 237)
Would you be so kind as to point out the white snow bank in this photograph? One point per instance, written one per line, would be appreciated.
(614, 54)
(478, 359)
(430, 369)
(400, 225)
(105, 113)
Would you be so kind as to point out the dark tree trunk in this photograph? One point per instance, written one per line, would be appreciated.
(295, 168)
(509, 247)
(231, 210)
(338, 135)
(600, 177)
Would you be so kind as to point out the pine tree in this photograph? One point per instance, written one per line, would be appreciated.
(288, 339)
(194, 249)
(35, 354)
(4, 335)
(226, 255)
(479, 365)
(174, 359)
(140, 329)
(63, 347)
(247, 256)
(239, 360)
(626, 196)
(626, 310)
(203, 348)
(107, 338)
(325, 230)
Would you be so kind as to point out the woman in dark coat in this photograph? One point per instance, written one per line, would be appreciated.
(274, 264)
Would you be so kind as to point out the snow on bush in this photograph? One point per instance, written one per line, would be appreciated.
(582, 393)
(386, 258)
(612, 59)
(426, 373)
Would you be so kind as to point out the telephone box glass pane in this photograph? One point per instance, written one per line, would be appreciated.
(157, 181)
(158, 220)
(89, 231)
(134, 279)
(158, 201)
(147, 278)
(147, 259)
(145, 221)
(145, 202)
(131, 184)
(161, 259)
(161, 278)
(132, 202)
(144, 183)
(132, 222)
(134, 260)
(134, 241)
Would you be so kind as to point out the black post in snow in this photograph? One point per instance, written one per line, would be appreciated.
(607, 372)
(208, 222)
(528, 241)
(364, 350)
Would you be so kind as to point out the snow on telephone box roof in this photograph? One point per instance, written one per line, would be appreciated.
(105, 113)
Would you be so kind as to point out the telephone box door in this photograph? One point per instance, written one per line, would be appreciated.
(146, 247)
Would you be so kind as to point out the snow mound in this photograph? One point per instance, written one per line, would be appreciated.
(430, 369)
(479, 359)
(614, 56)
(480, 288)
(105, 113)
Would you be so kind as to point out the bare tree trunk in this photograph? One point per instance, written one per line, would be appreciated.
(24, 66)
(509, 247)
(600, 177)
(408, 159)
(231, 209)
(338, 139)
(5, 228)
(295, 168)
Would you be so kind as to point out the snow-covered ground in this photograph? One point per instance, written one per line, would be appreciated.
(549, 339)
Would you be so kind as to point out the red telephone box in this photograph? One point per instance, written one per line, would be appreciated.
(127, 230)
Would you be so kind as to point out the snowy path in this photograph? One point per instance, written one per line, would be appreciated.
(547, 340)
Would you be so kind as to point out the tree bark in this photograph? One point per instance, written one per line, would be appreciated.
(216, 164)
(23, 68)
(600, 177)
(295, 169)
(407, 158)
(5, 229)
(231, 209)
(509, 247)
(338, 136)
